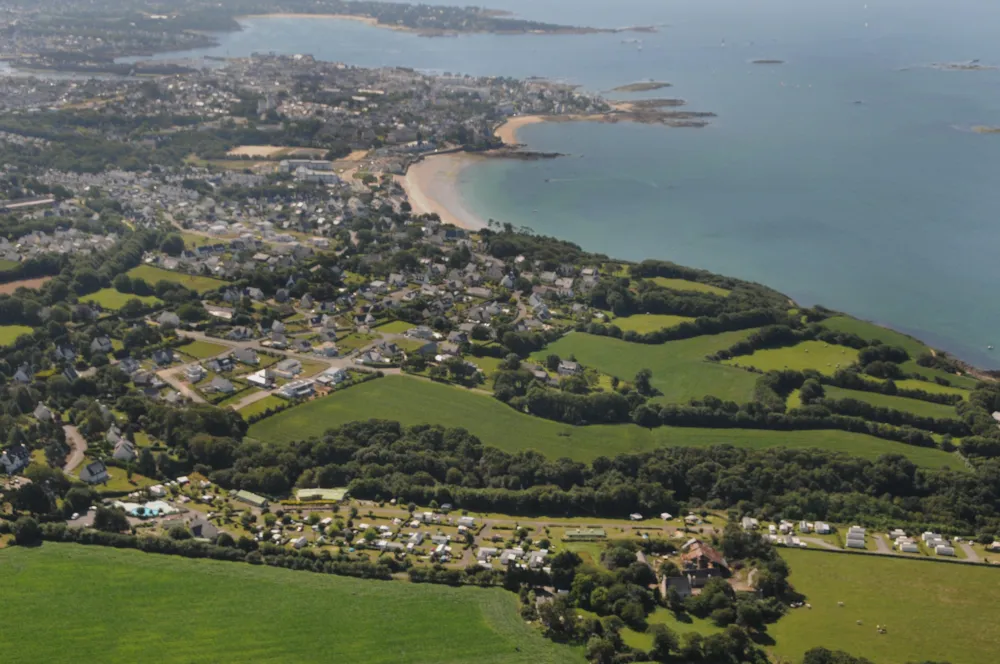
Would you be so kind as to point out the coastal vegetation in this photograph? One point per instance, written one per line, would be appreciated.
(641, 86)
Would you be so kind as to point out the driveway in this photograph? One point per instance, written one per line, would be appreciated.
(78, 447)
(881, 545)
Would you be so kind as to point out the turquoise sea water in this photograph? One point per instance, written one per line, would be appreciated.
(847, 176)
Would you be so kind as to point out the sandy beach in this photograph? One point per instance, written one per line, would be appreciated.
(341, 17)
(431, 186)
(507, 132)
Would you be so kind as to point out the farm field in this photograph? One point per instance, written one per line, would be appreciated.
(685, 285)
(679, 368)
(915, 406)
(109, 298)
(152, 274)
(10, 333)
(218, 609)
(642, 323)
(965, 382)
(9, 287)
(412, 401)
(933, 388)
(817, 355)
(644, 640)
(203, 349)
(871, 331)
(943, 615)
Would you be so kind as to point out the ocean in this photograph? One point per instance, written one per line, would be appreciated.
(847, 176)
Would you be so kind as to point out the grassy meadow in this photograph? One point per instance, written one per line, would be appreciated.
(933, 388)
(171, 609)
(915, 406)
(680, 371)
(932, 611)
(10, 333)
(112, 299)
(643, 323)
(412, 401)
(817, 355)
(685, 285)
(152, 275)
(871, 331)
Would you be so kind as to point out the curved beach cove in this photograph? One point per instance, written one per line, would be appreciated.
(837, 176)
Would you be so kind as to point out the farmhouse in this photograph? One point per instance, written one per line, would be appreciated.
(701, 562)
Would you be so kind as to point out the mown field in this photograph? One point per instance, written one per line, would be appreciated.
(915, 406)
(823, 357)
(258, 407)
(200, 350)
(111, 299)
(685, 285)
(679, 368)
(932, 611)
(152, 274)
(155, 608)
(412, 401)
(10, 333)
(643, 323)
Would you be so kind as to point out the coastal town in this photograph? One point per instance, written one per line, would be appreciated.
(246, 323)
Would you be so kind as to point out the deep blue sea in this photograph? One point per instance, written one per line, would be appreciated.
(847, 176)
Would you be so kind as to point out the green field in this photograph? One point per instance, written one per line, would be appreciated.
(171, 609)
(257, 407)
(10, 333)
(152, 274)
(685, 285)
(200, 350)
(915, 406)
(965, 382)
(414, 401)
(6, 265)
(817, 355)
(643, 323)
(109, 298)
(933, 388)
(395, 327)
(679, 368)
(932, 611)
(873, 332)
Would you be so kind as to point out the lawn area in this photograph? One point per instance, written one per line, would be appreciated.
(644, 640)
(6, 265)
(109, 298)
(147, 601)
(152, 274)
(238, 397)
(871, 331)
(260, 406)
(395, 327)
(355, 341)
(817, 355)
(915, 406)
(932, 611)
(679, 368)
(643, 323)
(192, 241)
(119, 480)
(412, 401)
(201, 350)
(10, 333)
(685, 285)
(487, 364)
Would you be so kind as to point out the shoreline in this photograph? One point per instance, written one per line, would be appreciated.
(431, 187)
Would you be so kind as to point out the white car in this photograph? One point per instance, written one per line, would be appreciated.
(76, 515)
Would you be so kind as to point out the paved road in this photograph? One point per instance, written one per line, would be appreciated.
(821, 543)
(970, 553)
(78, 446)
